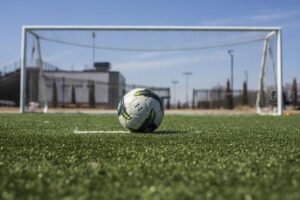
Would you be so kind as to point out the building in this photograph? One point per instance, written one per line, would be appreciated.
(99, 86)
(105, 87)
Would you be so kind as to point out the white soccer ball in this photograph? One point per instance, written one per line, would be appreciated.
(140, 110)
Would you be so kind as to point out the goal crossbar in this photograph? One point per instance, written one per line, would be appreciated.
(171, 28)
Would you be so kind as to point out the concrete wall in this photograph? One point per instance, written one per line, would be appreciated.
(81, 81)
(116, 88)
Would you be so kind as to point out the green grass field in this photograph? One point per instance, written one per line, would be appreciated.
(189, 157)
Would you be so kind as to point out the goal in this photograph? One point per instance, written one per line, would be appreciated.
(89, 68)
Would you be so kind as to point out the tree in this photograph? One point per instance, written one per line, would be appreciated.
(178, 105)
(0, 88)
(245, 94)
(168, 104)
(73, 97)
(219, 90)
(294, 93)
(92, 94)
(229, 97)
(54, 94)
(63, 92)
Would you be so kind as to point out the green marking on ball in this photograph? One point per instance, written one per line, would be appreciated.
(122, 110)
(149, 93)
(126, 115)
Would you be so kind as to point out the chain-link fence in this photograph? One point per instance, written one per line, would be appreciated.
(220, 98)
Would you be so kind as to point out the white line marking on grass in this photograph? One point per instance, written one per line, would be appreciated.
(93, 132)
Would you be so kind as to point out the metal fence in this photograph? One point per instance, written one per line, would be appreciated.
(219, 98)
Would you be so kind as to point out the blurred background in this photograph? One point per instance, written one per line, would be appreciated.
(93, 69)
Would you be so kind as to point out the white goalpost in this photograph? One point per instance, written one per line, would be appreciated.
(78, 67)
(267, 52)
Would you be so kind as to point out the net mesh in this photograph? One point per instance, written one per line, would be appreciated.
(94, 68)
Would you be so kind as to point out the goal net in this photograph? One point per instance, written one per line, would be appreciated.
(69, 68)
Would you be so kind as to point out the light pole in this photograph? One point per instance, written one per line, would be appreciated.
(174, 86)
(187, 74)
(230, 52)
(246, 76)
(94, 37)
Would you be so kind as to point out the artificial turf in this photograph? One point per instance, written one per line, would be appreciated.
(189, 157)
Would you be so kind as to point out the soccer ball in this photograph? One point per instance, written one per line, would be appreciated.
(140, 110)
